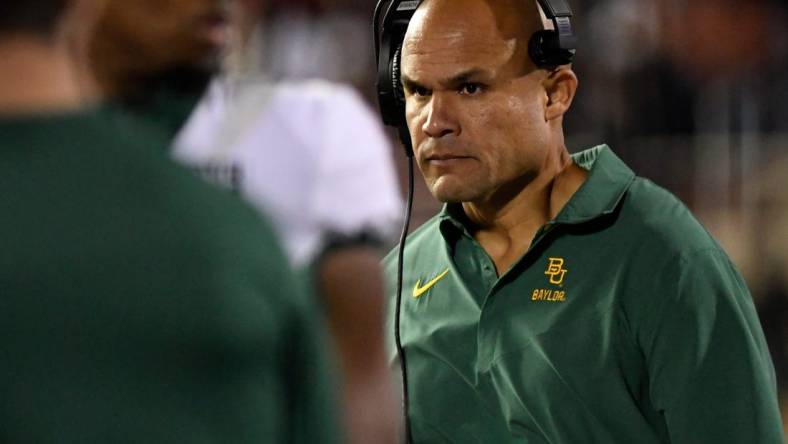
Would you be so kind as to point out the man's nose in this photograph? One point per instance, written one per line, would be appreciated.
(441, 119)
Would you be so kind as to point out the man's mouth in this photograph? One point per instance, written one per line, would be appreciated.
(445, 158)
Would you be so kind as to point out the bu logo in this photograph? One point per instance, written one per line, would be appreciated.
(556, 270)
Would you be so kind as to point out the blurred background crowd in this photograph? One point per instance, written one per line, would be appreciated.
(691, 94)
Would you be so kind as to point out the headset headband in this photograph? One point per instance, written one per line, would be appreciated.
(559, 12)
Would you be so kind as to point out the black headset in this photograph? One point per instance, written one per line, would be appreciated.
(547, 48)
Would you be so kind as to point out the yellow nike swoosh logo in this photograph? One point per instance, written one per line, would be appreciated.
(418, 291)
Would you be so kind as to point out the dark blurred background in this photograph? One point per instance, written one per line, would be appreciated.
(692, 94)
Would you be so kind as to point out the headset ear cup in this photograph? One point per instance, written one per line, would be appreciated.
(545, 50)
(399, 101)
(538, 48)
(396, 79)
(396, 86)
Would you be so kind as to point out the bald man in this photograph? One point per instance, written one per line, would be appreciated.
(556, 298)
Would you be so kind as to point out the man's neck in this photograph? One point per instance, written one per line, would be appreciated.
(506, 224)
(37, 76)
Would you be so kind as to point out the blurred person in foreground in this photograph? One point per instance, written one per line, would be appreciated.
(557, 298)
(309, 154)
(134, 307)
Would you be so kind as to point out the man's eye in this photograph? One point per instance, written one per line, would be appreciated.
(419, 91)
(470, 89)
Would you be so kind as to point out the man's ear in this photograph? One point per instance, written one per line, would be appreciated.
(560, 86)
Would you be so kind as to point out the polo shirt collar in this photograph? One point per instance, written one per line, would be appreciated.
(450, 221)
(607, 182)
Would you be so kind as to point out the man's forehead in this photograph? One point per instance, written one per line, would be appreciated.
(511, 18)
(471, 24)
(452, 55)
(447, 42)
(466, 34)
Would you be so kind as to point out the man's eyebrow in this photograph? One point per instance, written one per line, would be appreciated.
(463, 77)
(451, 82)
(409, 83)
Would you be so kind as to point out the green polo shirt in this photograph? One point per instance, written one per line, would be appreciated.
(624, 322)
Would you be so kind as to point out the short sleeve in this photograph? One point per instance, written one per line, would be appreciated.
(710, 373)
(356, 190)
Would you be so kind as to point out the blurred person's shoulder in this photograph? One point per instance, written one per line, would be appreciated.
(97, 167)
(142, 149)
(136, 159)
(210, 228)
(215, 215)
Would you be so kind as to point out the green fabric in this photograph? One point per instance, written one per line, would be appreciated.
(164, 109)
(623, 323)
(139, 304)
(163, 103)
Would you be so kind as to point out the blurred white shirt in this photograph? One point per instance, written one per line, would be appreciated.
(311, 155)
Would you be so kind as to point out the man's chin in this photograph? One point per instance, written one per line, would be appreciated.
(453, 193)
